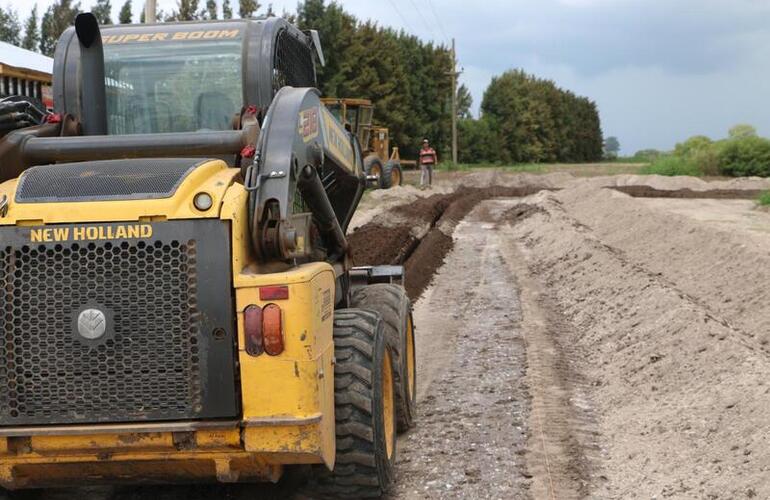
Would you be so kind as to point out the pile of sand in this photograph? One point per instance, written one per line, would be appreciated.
(671, 319)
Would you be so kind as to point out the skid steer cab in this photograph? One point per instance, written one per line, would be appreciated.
(177, 297)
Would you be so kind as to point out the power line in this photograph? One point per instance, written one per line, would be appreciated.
(424, 21)
(438, 20)
(409, 27)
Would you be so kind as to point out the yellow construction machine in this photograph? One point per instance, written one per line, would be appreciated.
(380, 161)
(177, 301)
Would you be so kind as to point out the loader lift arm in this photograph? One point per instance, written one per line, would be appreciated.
(305, 162)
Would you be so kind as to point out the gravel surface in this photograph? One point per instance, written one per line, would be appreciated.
(473, 403)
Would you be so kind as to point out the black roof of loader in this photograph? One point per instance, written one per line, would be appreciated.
(275, 54)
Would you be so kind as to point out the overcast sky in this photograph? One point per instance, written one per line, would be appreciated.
(660, 70)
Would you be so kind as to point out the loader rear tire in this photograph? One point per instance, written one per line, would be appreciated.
(373, 166)
(395, 308)
(391, 175)
(364, 398)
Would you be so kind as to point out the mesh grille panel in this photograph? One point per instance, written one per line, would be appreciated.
(293, 63)
(104, 180)
(150, 368)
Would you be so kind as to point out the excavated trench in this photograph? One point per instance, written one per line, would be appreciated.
(642, 191)
(419, 234)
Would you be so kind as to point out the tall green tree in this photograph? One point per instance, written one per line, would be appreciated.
(125, 15)
(102, 11)
(464, 102)
(742, 131)
(247, 8)
(187, 10)
(227, 10)
(59, 16)
(611, 147)
(10, 29)
(211, 9)
(478, 140)
(31, 31)
(539, 122)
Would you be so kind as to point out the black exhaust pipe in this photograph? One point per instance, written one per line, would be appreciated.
(93, 97)
(42, 150)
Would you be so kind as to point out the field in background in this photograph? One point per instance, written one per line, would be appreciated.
(449, 171)
(578, 169)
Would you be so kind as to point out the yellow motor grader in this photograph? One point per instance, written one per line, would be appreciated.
(177, 300)
(380, 161)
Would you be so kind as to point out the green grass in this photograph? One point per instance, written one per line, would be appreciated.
(764, 199)
(448, 166)
(672, 165)
(578, 169)
(626, 160)
(464, 167)
(526, 167)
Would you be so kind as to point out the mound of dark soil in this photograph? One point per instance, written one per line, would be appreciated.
(422, 254)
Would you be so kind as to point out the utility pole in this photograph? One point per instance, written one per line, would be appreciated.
(454, 104)
(149, 12)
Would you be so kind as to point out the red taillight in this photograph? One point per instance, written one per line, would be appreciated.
(252, 329)
(274, 292)
(272, 329)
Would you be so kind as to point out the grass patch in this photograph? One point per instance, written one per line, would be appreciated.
(627, 160)
(764, 199)
(672, 165)
(448, 166)
(526, 167)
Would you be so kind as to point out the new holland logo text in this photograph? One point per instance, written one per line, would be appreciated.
(90, 233)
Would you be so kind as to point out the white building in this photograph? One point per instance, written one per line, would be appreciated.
(23, 72)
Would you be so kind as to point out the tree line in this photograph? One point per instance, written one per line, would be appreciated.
(523, 118)
(526, 119)
(742, 153)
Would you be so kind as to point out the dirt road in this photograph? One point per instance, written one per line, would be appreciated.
(473, 401)
(502, 412)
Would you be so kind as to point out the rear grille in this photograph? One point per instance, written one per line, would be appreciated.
(150, 364)
(293, 63)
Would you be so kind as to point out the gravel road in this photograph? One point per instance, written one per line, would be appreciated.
(473, 402)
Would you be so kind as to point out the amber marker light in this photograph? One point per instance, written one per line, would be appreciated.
(272, 329)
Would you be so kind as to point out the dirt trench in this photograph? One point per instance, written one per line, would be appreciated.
(418, 235)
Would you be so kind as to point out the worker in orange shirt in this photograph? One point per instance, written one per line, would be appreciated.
(428, 160)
